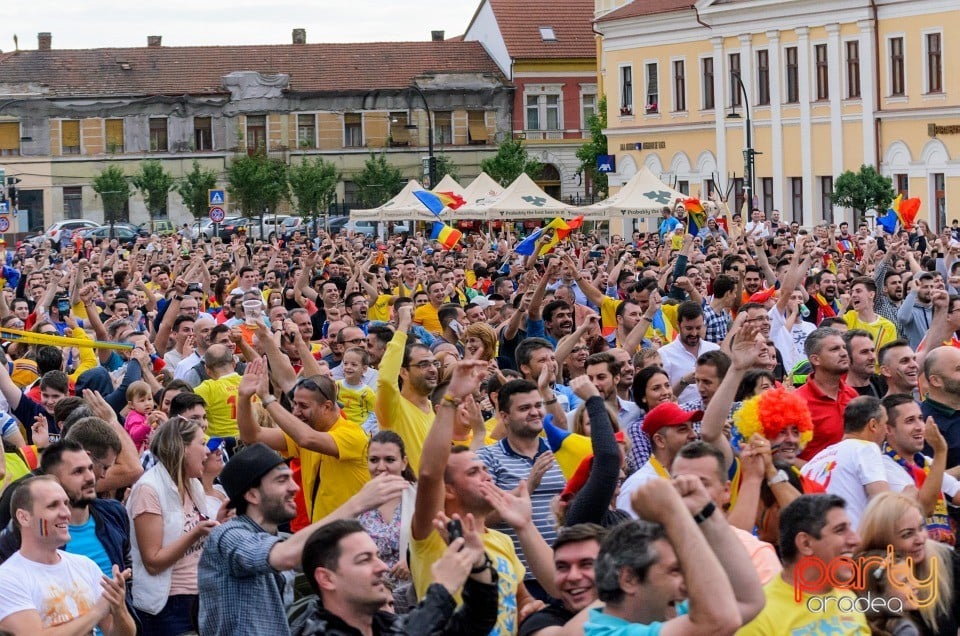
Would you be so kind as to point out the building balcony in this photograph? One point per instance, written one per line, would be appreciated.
(541, 135)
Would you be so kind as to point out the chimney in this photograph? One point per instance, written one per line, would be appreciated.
(153, 41)
(44, 41)
(299, 36)
(436, 36)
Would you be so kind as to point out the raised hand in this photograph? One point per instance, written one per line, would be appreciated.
(514, 507)
(255, 379)
(466, 378)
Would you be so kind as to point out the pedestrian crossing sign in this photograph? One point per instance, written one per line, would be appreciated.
(216, 197)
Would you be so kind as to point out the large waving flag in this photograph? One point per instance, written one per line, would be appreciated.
(696, 215)
(445, 235)
(436, 201)
(889, 222)
(527, 245)
(907, 212)
(559, 230)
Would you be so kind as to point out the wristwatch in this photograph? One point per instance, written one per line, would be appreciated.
(704, 514)
(779, 478)
(486, 565)
(267, 401)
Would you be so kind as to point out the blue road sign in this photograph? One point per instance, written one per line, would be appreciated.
(217, 197)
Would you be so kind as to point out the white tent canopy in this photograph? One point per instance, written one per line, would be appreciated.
(449, 184)
(481, 192)
(524, 199)
(403, 207)
(644, 195)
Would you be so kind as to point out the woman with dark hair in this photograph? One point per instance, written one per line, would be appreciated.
(651, 387)
(755, 382)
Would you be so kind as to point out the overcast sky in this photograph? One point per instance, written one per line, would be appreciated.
(104, 23)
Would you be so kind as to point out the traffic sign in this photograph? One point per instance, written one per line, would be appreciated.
(4, 207)
(4, 224)
(216, 197)
(217, 214)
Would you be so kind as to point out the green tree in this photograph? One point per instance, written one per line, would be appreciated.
(112, 186)
(257, 183)
(193, 190)
(510, 162)
(378, 182)
(590, 150)
(862, 191)
(314, 186)
(444, 166)
(154, 183)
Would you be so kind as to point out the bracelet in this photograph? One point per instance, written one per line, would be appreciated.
(487, 565)
(550, 401)
(704, 514)
(451, 401)
(267, 401)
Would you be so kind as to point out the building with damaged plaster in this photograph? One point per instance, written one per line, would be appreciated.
(66, 114)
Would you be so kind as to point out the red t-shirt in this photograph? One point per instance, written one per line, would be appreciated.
(826, 413)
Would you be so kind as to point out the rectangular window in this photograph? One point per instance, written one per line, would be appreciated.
(792, 75)
(709, 187)
(589, 102)
(9, 139)
(158, 134)
(684, 187)
(736, 99)
(626, 90)
(533, 112)
(443, 127)
(114, 131)
(934, 64)
(477, 127)
(901, 183)
(738, 194)
(256, 133)
(796, 196)
(202, 133)
(679, 86)
(552, 107)
(307, 130)
(763, 78)
(399, 133)
(652, 103)
(853, 69)
(707, 83)
(352, 130)
(896, 67)
(766, 186)
(73, 202)
(823, 71)
(70, 136)
(940, 199)
(826, 205)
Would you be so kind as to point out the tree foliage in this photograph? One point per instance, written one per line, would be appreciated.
(314, 185)
(154, 183)
(378, 182)
(510, 162)
(590, 150)
(257, 183)
(193, 190)
(112, 186)
(862, 191)
(444, 165)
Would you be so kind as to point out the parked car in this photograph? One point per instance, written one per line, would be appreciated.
(125, 233)
(160, 226)
(55, 231)
(206, 225)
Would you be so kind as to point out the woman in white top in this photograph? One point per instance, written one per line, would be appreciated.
(168, 510)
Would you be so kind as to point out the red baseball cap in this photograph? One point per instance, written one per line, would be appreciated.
(668, 414)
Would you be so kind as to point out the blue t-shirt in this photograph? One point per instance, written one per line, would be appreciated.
(83, 540)
(600, 624)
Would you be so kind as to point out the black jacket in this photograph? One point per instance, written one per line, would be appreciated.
(435, 616)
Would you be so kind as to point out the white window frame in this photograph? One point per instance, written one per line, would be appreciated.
(541, 92)
(343, 130)
(588, 90)
(889, 66)
(845, 62)
(646, 86)
(785, 76)
(673, 84)
(926, 76)
(703, 94)
(756, 76)
(633, 89)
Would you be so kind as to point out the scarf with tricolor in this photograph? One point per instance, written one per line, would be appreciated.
(825, 309)
(939, 525)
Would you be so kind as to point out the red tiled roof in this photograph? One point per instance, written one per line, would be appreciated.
(571, 20)
(646, 7)
(197, 70)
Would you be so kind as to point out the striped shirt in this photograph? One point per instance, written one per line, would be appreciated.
(507, 468)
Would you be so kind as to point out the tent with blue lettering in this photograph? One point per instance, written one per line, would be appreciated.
(643, 196)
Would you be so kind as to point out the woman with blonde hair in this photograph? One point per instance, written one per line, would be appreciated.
(894, 519)
(168, 511)
(479, 342)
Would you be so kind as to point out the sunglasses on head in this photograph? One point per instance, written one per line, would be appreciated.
(311, 384)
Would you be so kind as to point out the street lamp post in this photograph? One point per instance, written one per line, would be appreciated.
(431, 164)
(749, 154)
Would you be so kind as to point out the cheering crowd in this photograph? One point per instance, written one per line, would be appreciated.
(752, 428)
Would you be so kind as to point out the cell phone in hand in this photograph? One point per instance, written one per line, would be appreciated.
(454, 530)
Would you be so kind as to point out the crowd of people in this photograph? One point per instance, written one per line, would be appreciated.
(752, 428)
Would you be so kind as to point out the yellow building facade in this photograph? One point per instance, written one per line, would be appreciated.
(829, 86)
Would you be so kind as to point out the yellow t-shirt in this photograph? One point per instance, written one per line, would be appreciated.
(882, 330)
(500, 549)
(812, 615)
(428, 316)
(221, 398)
(357, 403)
(395, 412)
(380, 310)
(328, 482)
(406, 290)
(608, 320)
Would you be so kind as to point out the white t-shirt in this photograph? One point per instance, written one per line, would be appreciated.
(898, 478)
(644, 474)
(678, 362)
(59, 593)
(844, 469)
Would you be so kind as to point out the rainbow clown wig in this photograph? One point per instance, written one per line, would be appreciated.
(771, 412)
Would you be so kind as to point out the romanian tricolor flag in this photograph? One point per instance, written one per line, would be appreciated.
(907, 211)
(436, 201)
(445, 235)
(696, 216)
(556, 230)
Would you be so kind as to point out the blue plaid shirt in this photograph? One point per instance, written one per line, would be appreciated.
(716, 323)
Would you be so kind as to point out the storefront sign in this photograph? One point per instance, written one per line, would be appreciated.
(933, 130)
(645, 145)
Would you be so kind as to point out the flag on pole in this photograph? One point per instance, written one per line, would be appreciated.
(558, 230)
(888, 222)
(436, 201)
(445, 235)
(696, 215)
(907, 212)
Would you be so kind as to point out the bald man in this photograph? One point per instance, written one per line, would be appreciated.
(201, 335)
(941, 374)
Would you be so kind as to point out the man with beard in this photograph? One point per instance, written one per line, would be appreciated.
(890, 284)
(916, 312)
(941, 372)
(862, 376)
(357, 307)
(201, 333)
(605, 372)
(823, 300)
(752, 281)
(239, 575)
(863, 292)
(899, 368)
(557, 321)
(826, 392)
(627, 373)
(680, 356)
(580, 312)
